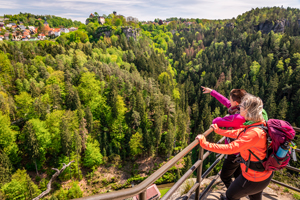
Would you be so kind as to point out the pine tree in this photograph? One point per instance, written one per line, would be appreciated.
(35, 91)
(72, 98)
(32, 143)
(66, 136)
(282, 109)
(271, 106)
(5, 169)
(78, 147)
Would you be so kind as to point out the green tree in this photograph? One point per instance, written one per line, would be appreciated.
(89, 119)
(77, 147)
(136, 145)
(8, 139)
(119, 126)
(20, 187)
(282, 109)
(92, 157)
(37, 140)
(118, 22)
(254, 70)
(5, 169)
(6, 70)
(24, 102)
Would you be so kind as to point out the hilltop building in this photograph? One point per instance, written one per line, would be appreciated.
(46, 23)
(91, 15)
(101, 20)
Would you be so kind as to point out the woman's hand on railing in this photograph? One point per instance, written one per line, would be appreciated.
(215, 127)
(201, 138)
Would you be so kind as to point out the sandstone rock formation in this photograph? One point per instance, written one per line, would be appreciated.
(268, 26)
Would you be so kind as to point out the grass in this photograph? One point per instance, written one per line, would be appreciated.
(296, 196)
(188, 185)
(163, 191)
(286, 190)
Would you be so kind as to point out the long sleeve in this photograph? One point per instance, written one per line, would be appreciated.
(245, 141)
(229, 133)
(235, 121)
(223, 100)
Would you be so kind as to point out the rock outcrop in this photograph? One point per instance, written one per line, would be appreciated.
(268, 26)
(230, 25)
(128, 31)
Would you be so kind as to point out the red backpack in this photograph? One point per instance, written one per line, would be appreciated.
(278, 132)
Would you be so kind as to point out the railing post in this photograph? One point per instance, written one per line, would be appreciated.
(199, 172)
(142, 196)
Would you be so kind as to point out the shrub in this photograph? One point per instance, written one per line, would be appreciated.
(21, 187)
(296, 196)
(188, 185)
(75, 191)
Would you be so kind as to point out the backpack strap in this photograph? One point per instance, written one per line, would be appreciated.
(256, 156)
(256, 166)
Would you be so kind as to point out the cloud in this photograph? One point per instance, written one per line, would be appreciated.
(142, 9)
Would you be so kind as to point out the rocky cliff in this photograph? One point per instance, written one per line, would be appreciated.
(128, 31)
(268, 26)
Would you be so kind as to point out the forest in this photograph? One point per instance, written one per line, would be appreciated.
(29, 19)
(109, 101)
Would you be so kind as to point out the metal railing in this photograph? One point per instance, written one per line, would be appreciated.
(141, 188)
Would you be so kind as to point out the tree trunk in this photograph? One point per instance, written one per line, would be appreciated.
(77, 166)
(37, 172)
(69, 168)
(58, 172)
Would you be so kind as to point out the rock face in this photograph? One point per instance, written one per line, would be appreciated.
(268, 26)
(230, 25)
(128, 31)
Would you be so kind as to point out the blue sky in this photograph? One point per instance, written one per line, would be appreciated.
(142, 9)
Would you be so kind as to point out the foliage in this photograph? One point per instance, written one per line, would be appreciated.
(20, 187)
(93, 157)
(29, 19)
(135, 144)
(95, 98)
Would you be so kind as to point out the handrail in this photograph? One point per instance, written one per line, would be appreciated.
(142, 187)
(189, 172)
(296, 129)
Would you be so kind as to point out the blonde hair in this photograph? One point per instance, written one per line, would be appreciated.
(253, 106)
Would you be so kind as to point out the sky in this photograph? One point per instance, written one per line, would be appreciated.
(144, 10)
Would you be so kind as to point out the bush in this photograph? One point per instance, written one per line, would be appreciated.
(75, 191)
(21, 187)
(296, 196)
(104, 182)
(188, 185)
(37, 178)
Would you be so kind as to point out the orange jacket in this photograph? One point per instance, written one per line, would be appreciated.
(254, 139)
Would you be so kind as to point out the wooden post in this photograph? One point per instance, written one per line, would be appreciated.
(199, 172)
(142, 196)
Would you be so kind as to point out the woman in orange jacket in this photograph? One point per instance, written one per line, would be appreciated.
(251, 182)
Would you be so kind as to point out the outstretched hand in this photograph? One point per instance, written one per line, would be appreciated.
(206, 90)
